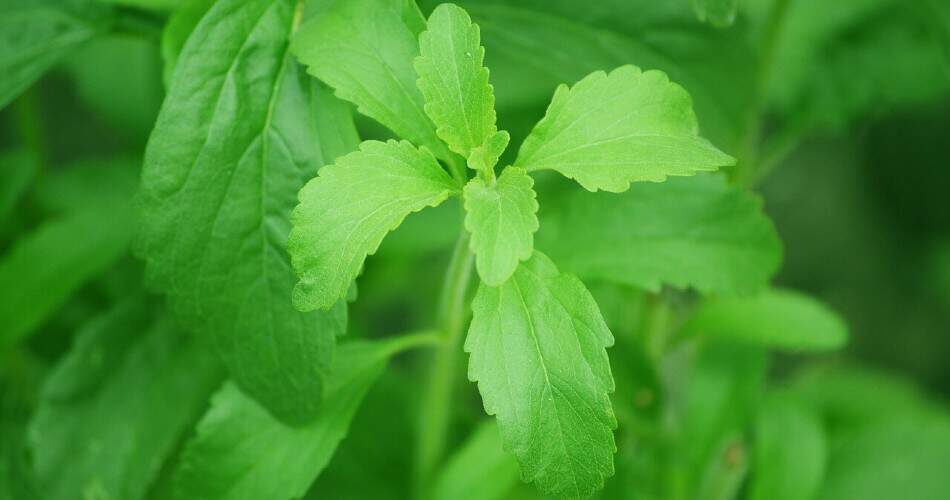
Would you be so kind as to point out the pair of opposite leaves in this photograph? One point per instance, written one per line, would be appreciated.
(537, 339)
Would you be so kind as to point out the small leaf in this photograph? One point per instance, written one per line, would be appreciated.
(719, 13)
(364, 49)
(116, 406)
(36, 34)
(483, 158)
(454, 80)
(613, 129)
(780, 319)
(502, 218)
(240, 452)
(345, 213)
(695, 232)
(790, 453)
(537, 346)
(478, 470)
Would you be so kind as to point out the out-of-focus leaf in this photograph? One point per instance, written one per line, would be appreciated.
(479, 469)
(719, 13)
(241, 452)
(790, 451)
(16, 471)
(18, 170)
(687, 232)
(780, 319)
(116, 406)
(36, 34)
(179, 27)
(899, 458)
(242, 129)
(90, 184)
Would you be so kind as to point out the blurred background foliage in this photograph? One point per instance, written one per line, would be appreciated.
(839, 113)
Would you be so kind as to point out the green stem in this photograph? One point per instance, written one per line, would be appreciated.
(435, 409)
(30, 126)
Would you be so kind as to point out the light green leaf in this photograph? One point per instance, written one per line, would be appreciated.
(240, 452)
(115, 407)
(484, 157)
(687, 232)
(181, 23)
(454, 80)
(241, 131)
(613, 129)
(790, 452)
(502, 217)
(36, 34)
(479, 470)
(537, 346)
(364, 49)
(719, 13)
(780, 319)
(345, 213)
(45, 267)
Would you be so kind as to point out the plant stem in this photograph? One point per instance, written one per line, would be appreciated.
(436, 401)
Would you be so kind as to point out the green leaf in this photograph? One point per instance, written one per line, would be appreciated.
(479, 470)
(115, 407)
(364, 49)
(36, 34)
(241, 131)
(537, 346)
(613, 129)
(181, 23)
(345, 213)
(483, 158)
(502, 217)
(241, 452)
(45, 267)
(719, 13)
(454, 81)
(790, 452)
(777, 319)
(21, 169)
(687, 232)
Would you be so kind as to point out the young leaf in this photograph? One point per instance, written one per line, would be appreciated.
(454, 81)
(613, 129)
(240, 132)
(36, 34)
(116, 406)
(484, 157)
(479, 470)
(780, 319)
(790, 452)
(364, 49)
(240, 452)
(537, 346)
(345, 213)
(502, 218)
(687, 232)
(47, 265)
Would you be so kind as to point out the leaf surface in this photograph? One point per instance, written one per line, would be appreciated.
(241, 452)
(454, 80)
(364, 49)
(242, 129)
(687, 232)
(345, 213)
(537, 346)
(104, 425)
(479, 470)
(502, 218)
(609, 130)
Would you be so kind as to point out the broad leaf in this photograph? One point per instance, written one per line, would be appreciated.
(780, 319)
(241, 131)
(479, 470)
(537, 346)
(609, 130)
(690, 232)
(719, 13)
(36, 34)
(454, 81)
(117, 405)
(364, 49)
(241, 452)
(502, 217)
(346, 212)
(790, 453)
